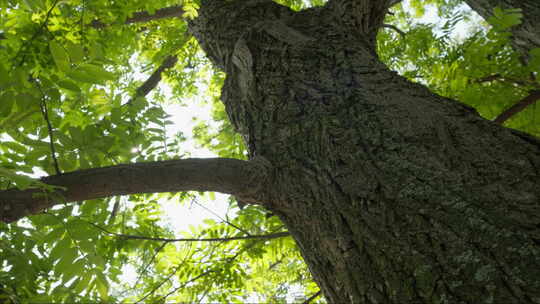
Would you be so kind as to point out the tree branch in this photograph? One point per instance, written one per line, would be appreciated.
(499, 77)
(222, 219)
(152, 259)
(45, 113)
(313, 297)
(167, 240)
(395, 28)
(209, 271)
(244, 179)
(154, 79)
(139, 17)
(530, 99)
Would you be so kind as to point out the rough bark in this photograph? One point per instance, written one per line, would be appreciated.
(241, 178)
(393, 194)
(526, 36)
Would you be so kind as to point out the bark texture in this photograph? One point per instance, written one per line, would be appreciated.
(526, 36)
(393, 194)
(241, 178)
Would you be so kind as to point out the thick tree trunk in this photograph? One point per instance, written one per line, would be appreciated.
(393, 194)
(526, 36)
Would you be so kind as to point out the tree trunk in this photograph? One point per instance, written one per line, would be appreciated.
(526, 36)
(393, 194)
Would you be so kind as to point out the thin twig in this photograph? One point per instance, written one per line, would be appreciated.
(185, 284)
(204, 294)
(159, 239)
(530, 99)
(222, 219)
(165, 280)
(45, 112)
(313, 297)
(229, 260)
(152, 259)
(273, 265)
(395, 28)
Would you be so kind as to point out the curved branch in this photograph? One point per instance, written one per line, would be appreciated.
(139, 17)
(396, 29)
(232, 176)
(530, 99)
(154, 79)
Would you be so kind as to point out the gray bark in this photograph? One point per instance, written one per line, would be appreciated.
(526, 36)
(241, 178)
(393, 194)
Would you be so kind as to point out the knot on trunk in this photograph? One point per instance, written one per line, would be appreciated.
(258, 177)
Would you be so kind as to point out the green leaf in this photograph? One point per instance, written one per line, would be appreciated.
(91, 74)
(21, 181)
(6, 104)
(60, 56)
(69, 85)
(45, 220)
(79, 230)
(4, 76)
(60, 249)
(25, 101)
(102, 285)
(504, 19)
(68, 256)
(55, 234)
(34, 5)
(76, 269)
(97, 71)
(82, 282)
(534, 62)
(76, 53)
(83, 77)
(97, 260)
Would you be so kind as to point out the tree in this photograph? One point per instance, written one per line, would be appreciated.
(392, 192)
